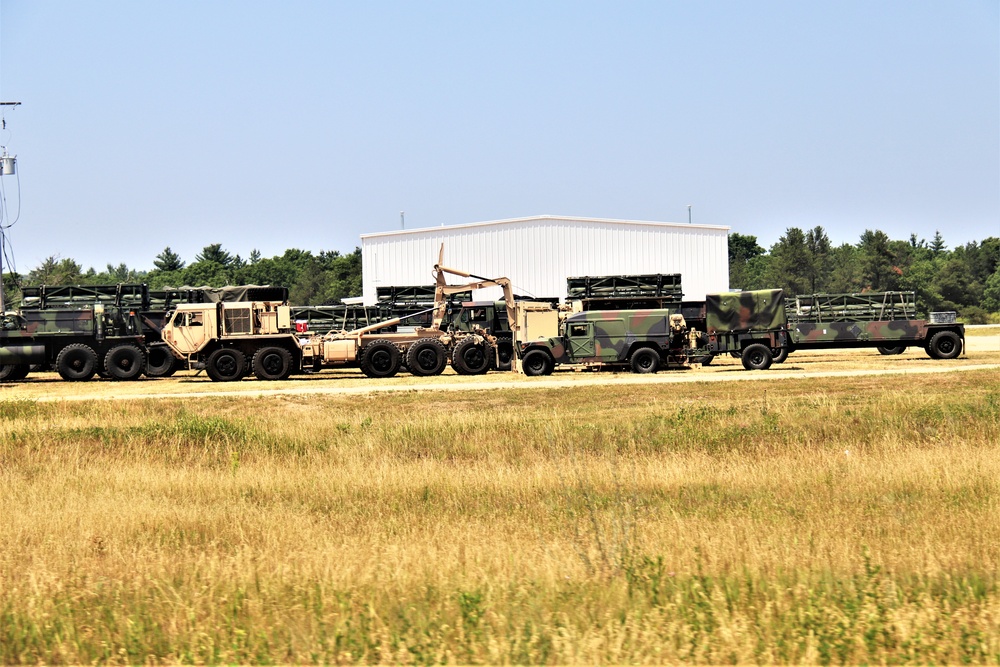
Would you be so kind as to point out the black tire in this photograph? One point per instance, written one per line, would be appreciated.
(380, 359)
(736, 354)
(944, 345)
(704, 360)
(426, 357)
(472, 357)
(757, 357)
(124, 362)
(889, 350)
(779, 354)
(505, 355)
(14, 372)
(645, 360)
(226, 365)
(161, 362)
(537, 362)
(76, 362)
(272, 363)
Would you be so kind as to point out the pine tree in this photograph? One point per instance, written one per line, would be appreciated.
(168, 260)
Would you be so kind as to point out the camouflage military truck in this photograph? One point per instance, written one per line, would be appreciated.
(749, 323)
(884, 320)
(78, 343)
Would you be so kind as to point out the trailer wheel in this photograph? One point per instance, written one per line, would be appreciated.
(779, 354)
(272, 363)
(889, 350)
(76, 362)
(757, 357)
(124, 362)
(505, 355)
(161, 362)
(645, 360)
(470, 357)
(704, 360)
(426, 357)
(380, 359)
(14, 372)
(944, 345)
(225, 365)
(537, 362)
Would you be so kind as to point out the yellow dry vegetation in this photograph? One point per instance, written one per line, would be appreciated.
(809, 521)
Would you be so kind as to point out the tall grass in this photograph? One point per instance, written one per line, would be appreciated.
(831, 521)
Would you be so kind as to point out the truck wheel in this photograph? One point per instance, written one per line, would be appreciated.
(890, 349)
(505, 355)
(704, 360)
(380, 359)
(14, 372)
(470, 357)
(944, 345)
(225, 365)
(124, 362)
(645, 360)
(161, 362)
(779, 354)
(537, 362)
(426, 357)
(76, 362)
(757, 357)
(272, 363)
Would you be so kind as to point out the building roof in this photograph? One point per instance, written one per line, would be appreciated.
(539, 218)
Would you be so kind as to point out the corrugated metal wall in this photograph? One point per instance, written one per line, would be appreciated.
(538, 254)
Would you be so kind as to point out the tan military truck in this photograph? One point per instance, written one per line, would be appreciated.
(230, 340)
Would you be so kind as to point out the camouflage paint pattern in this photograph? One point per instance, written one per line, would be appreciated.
(837, 334)
(758, 310)
(609, 336)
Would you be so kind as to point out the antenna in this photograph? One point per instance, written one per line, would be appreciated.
(8, 167)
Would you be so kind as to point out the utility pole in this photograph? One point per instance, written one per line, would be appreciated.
(402, 219)
(689, 214)
(6, 168)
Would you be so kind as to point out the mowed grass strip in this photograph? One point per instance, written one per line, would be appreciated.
(822, 521)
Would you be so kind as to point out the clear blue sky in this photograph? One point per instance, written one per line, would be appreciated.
(303, 124)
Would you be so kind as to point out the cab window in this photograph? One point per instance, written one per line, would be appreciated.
(578, 330)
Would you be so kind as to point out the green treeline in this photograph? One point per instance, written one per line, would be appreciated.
(965, 278)
(312, 279)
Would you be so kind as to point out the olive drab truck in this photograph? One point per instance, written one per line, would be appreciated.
(748, 323)
(79, 343)
(229, 340)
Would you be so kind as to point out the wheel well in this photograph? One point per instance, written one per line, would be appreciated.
(640, 345)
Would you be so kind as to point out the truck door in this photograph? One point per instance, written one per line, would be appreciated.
(581, 339)
(189, 333)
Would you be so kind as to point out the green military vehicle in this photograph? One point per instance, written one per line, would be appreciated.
(886, 321)
(78, 343)
(751, 324)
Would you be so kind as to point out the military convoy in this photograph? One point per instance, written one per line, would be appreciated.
(638, 322)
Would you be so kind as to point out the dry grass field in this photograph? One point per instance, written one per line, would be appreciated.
(814, 520)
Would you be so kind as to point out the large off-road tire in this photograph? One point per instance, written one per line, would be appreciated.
(76, 362)
(472, 357)
(426, 357)
(645, 360)
(272, 363)
(124, 362)
(14, 372)
(779, 354)
(757, 357)
(704, 359)
(380, 359)
(161, 362)
(505, 355)
(537, 362)
(226, 365)
(944, 345)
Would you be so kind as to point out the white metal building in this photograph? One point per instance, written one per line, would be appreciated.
(539, 253)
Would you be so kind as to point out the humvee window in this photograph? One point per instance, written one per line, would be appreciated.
(577, 330)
